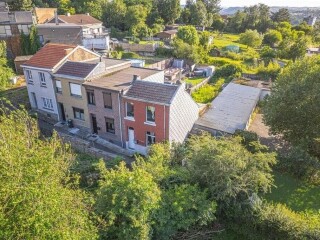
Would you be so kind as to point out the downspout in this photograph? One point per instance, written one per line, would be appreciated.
(119, 103)
(164, 111)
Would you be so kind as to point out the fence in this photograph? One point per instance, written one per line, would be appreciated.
(199, 85)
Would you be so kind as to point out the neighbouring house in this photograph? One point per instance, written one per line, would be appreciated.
(229, 111)
(310, 20)
(105, 96)
(313, 51)
(75, 29)
(38, 72)
(43, 14)
(167, 35)
(20, 60)
(157, 112)
(12, 24)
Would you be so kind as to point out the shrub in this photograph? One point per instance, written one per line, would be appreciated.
(208, 92)
(127, 55)
(233, 55)
(228, 70)
(164, 52)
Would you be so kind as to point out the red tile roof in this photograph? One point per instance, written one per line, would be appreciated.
(49, 55)
(80, 19)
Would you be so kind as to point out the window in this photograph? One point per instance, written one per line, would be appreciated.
(110, 125)
(42, 79)
(29, 76)
(47, 103)
(58, 86)
(107, 100)
(75, 90)
(151, 138)
(78, 113)
(150, 114)
(130, 110)
(91, 99)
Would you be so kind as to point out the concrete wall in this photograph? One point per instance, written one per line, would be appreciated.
(100, 42)
(184, 112)
(74, 101)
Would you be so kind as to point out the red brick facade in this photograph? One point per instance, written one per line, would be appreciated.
(160, 128)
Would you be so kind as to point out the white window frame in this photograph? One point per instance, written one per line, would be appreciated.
(29, 76)
(42, 77)
(47, 103)
(75, 92)
(154, 113)
(152, 135)
(58, 86)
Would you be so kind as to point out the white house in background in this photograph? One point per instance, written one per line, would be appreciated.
(38, 74)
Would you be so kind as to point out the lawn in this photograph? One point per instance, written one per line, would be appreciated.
(295, 194)
(195, 80)
(224, 40)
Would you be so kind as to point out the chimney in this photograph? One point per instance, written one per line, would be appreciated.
(88, 14)
(56, 17)
(68, 14)
(135, 78)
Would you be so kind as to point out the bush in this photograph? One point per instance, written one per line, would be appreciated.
(208, 92)
(300, 164)
(164, 52)
(228, 70)
(233, 55)
(127, 55)
(251, 141)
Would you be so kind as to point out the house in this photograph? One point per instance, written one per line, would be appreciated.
(156, 112)
(313, 50)
(167, 35)
(20, 60)
(12, 24)
(38, 72)
(43, 14)
(310, 20)
(230, 110)
(75, 29)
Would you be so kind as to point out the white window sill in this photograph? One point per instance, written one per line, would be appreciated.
(150, 123)
(129, 118)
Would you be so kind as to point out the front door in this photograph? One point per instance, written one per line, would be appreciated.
(131, 143)
(62, 113)
(94, 124)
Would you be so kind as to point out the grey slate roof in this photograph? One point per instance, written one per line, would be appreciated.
(152, 92)
(18, 17)
(231, 110)
(76, 69)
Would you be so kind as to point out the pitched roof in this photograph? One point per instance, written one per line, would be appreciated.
(80, 19)
(44, 14)
(23, 17)
(152, 92)
(49, 55)
(76, 69)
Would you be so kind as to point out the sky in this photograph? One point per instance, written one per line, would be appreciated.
(281, 3)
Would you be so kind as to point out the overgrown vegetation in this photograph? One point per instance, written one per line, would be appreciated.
(208, 92)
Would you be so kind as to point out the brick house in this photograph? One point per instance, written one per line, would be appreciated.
(156, 112)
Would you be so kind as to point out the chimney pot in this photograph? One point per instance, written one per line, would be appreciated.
(88, 14)
(68, 14)
(135, 78)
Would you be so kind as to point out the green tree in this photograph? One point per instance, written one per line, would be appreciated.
(135, 15)
(95, 8)
(227, 168)
(169, 10)
(218, 23)
(267, 54)
(282, 15)
(114, 15)
(186, 51)
(125, 201)
(188, 34)
(65, 6)
(34, 40)
(272, 37)
(199, 15)
(20, 5)
(298, 49)
(212, 6)
(234, 24)
(38, 196)
(182, 207)
(251, 38)
(293, 109)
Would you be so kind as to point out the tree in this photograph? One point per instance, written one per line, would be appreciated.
(186, 51)
(282, 15)
(212, 6)
(199, 15)
(65, 6)
(267, 54)
(272, 37)
(188, 34)
(293, 109)
(135, 15)
(114, 15)
(218, 22)
(34, 40)
(20, 5)
(251, 38)
(125, 201)
(169, 10)
(234, 25)
(182, 207)
(38, 197)
(298, 49)
(227, 168)
(95, 8)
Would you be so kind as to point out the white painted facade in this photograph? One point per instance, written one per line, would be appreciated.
(184, 112)
(96, 42)
(39, 94)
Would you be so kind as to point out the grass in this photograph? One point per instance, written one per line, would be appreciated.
(195, 80)
(297, 195)
(145, 42)
(228, 39)
(17, 97)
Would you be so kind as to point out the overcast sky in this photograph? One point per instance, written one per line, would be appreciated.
(281, 3)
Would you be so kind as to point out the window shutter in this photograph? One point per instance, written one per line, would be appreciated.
(75, 89)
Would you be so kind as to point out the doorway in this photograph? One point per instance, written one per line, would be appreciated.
(34, 98)
(62, 113)
(131, 143)
(94, 124)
